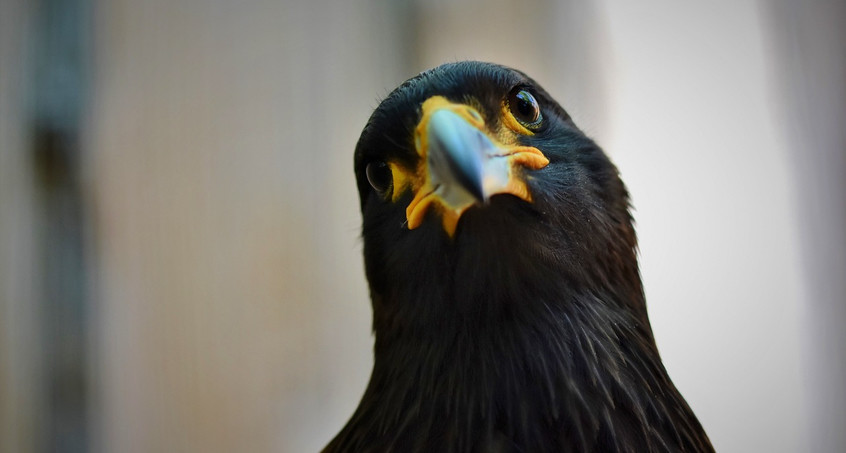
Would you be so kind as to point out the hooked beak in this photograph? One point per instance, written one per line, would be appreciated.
(462, 164)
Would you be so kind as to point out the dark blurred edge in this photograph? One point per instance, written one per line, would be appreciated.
(808, 43)
(59, 89)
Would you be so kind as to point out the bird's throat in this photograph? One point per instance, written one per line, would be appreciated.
(579, 370)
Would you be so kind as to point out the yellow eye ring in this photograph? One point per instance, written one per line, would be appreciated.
(522, 111)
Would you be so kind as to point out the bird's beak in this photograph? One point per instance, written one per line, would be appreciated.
(463, 163)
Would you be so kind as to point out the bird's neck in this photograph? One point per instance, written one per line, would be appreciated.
(580, 370)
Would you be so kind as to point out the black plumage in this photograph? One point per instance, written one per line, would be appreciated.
(524, 329)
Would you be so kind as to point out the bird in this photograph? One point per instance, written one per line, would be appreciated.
(501, 257)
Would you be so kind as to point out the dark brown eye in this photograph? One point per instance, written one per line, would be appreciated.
(524, 107)
(379, 176)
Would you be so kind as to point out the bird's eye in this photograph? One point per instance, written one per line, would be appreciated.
(379, 176)
(524, 107)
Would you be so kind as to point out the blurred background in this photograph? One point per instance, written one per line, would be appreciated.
(180, 266)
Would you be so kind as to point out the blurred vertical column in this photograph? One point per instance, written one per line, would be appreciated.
(808, 45)
(44, 308)
(561, 44)
(59, 94)
(20, 395)
(577, 49)
(499, 31)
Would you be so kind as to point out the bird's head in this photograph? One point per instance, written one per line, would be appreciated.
(479, 193)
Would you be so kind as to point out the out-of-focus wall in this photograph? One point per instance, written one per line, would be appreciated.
(807, 43)
(227, 302)
(231, 306)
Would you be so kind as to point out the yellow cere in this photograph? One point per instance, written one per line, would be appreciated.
(418, 179)
(401, 180)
